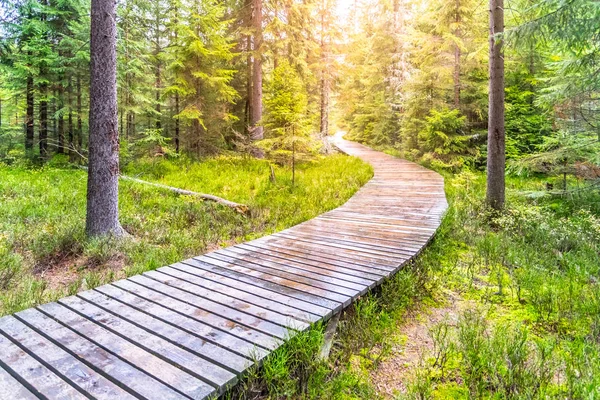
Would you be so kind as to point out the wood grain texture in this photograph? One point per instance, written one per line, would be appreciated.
(191, 329)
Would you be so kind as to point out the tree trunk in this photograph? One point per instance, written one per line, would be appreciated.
(248, 105)
(43, 135)
(61, 121)
(457, 59)
(256, 131)
(29, 128)
(71, 146)
(79, 120)
(103, 177)
(496, 157)
(324, 125)
(177, 122)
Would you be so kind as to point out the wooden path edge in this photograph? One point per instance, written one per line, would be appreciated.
(192, 329)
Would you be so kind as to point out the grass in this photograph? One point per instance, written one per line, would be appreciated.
(45, 254)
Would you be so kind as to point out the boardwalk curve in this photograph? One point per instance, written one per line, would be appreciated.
(190, 330)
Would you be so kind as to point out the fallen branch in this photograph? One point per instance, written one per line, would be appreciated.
(241, 208)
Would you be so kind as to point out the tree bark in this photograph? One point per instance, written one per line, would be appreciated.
(79, 112)
(496, 157)
(324, 120)
(43, 135)
(457, 55)
(29, 128)
(61, 121)
(103, 177)
(256, 131)
(70, 119)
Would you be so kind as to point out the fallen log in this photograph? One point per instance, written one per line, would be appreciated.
(241, 208)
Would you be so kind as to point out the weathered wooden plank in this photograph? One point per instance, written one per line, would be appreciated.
(209, 372)
(199, 315)
(283, 281)
(179, 380)
(132, 378)
(309, 307)
(284, 322)
(231, 314)
(293, 315)
(198, 332)
(40, 378)
(309, 255)
(246, 278)
(11, 389)
(331, 290)
(214, 354)
(290, 266)
(400, 251)
(61, 361)
(343, 255)
(346, 274)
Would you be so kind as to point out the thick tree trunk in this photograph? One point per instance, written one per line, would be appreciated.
(256, 131)
(29, 128)
(103, 177)
(496, 157)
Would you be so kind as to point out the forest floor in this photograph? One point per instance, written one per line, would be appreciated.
(45, 254)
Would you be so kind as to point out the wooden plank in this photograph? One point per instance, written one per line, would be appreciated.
(400, 252)
(359, 277)
(133, 379)
(11, 389)
(330, 300)
(199, 315)
(61, 362)
(330, 290)
(280, 323)
(349, 251)
(214, 354)
(209, 372)
(309, 307)
(309, 256)
(180, 381)
(199, 332)
(294, 314)
(315, 274)
(342, 255)
(38, 377)
(228, 313)
(253, 282)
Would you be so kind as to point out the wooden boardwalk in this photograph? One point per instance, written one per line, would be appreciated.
(191, 329)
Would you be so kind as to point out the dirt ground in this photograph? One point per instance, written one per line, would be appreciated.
(394, 373)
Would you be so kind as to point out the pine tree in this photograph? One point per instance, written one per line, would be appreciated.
(103, 172)
(496, 158)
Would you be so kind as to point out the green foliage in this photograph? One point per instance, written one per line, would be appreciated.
(443, 137)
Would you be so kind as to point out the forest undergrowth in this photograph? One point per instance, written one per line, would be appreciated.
(46, 255)
(530, 330)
